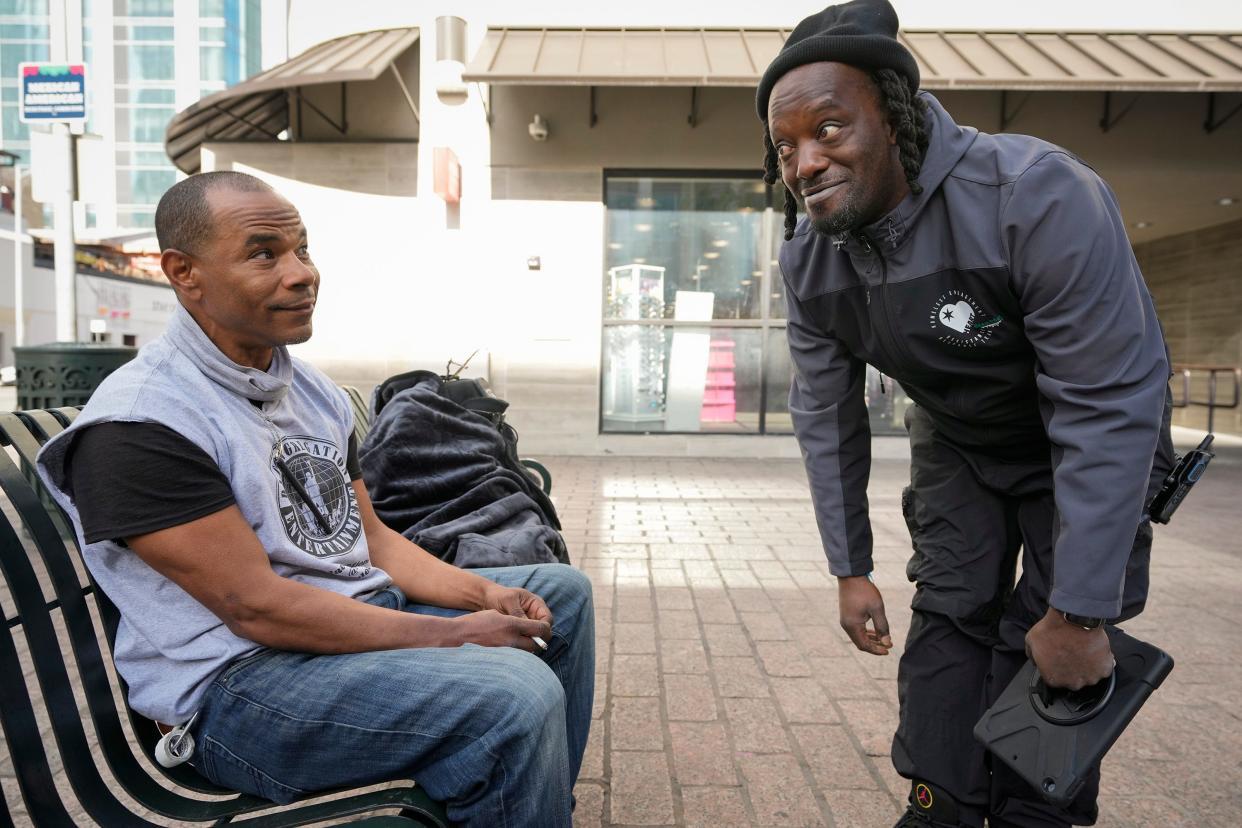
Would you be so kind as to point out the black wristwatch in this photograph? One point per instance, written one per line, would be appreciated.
(1084, 621)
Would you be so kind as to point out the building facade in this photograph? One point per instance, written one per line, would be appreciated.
(146, 60)
(611, 261)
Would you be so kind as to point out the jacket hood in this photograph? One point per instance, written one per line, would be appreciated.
(947, 143)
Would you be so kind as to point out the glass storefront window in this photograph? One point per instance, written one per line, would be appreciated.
(677, 379)
(778, 375)
(707, 234)
(684, 252)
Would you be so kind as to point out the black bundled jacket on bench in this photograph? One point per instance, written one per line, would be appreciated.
(448, 478)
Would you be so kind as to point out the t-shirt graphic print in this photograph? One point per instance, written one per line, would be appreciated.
(317, 503)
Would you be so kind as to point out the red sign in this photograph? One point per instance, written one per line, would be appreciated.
(447, 176)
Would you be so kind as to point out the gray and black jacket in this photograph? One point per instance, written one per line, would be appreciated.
(1006, 300)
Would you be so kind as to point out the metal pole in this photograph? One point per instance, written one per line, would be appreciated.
(19, 301)
(62, 201)
(63, 240)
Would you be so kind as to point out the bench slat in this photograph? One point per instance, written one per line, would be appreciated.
(50, 666)
(21, 729)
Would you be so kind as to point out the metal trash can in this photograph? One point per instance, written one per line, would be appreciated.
(64, 373)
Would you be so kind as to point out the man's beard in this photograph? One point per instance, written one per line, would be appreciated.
(298, 339)
(842, 220)
(853, 213)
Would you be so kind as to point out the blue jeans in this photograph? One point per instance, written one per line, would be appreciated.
(495, 733)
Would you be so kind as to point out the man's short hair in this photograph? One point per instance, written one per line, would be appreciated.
(183, 217)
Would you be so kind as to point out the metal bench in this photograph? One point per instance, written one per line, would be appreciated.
(34, 536)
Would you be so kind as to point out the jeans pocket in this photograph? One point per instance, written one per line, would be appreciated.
(229, 671)
(225, 768)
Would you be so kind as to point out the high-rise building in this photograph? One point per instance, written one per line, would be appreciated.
(146, 60)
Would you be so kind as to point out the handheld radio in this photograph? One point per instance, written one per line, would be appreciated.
(1177, 485)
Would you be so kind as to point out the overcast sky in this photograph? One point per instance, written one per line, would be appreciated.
(316, 20)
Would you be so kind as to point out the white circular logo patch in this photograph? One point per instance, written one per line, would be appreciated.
(960, 321)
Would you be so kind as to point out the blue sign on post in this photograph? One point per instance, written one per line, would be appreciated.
(52, 92)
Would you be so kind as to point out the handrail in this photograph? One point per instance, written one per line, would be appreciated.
(1211, 403)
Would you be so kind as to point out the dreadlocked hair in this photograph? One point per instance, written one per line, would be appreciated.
(772, 174)
(906, 113)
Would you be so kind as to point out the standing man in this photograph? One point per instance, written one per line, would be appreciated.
(991, 275)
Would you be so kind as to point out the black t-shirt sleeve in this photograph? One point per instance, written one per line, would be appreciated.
(352, 467)
(132, 478)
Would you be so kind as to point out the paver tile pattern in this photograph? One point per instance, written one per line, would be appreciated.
(727, 694)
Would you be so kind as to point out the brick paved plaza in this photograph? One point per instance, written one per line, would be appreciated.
(728, 695)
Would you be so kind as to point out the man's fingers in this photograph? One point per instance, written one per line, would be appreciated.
(530, 627)
(858, 634)
(512, 605)
(868, 641)
(881, 626)
(536, 608)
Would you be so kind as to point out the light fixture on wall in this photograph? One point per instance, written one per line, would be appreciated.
(450, 60)
(538, 128)
(1142, 225)
(1227, 201)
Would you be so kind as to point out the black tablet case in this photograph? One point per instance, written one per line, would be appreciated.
(1055, 759)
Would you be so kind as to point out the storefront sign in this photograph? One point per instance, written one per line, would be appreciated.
(447, 175)
(51, 92)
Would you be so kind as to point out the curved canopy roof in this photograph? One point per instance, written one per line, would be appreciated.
(258, 108)
(1061, 60)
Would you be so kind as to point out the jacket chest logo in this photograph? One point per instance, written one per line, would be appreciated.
(957, 319)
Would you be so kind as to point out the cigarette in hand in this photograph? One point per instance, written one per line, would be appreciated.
(543, 645)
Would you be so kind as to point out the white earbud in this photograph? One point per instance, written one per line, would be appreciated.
(176, 746)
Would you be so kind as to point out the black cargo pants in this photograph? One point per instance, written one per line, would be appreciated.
(970, 518)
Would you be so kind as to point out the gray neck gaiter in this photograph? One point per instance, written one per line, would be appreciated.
(265, 386)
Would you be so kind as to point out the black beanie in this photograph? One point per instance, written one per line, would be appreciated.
(862, 33)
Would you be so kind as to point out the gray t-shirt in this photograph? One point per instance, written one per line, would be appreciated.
(169, 647)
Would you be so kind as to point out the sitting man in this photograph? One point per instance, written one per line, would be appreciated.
(214, 485)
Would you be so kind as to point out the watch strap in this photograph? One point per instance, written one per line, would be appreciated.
(1084, 621)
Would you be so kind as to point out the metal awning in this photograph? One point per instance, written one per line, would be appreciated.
(258, 108)
(1033, 60)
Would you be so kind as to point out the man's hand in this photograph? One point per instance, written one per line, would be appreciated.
(861, 602)
(493, 628)
(511, 617)
(518, 602)
(1067, 655)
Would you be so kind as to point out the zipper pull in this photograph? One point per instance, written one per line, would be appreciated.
(866, 293)
(882, 391)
